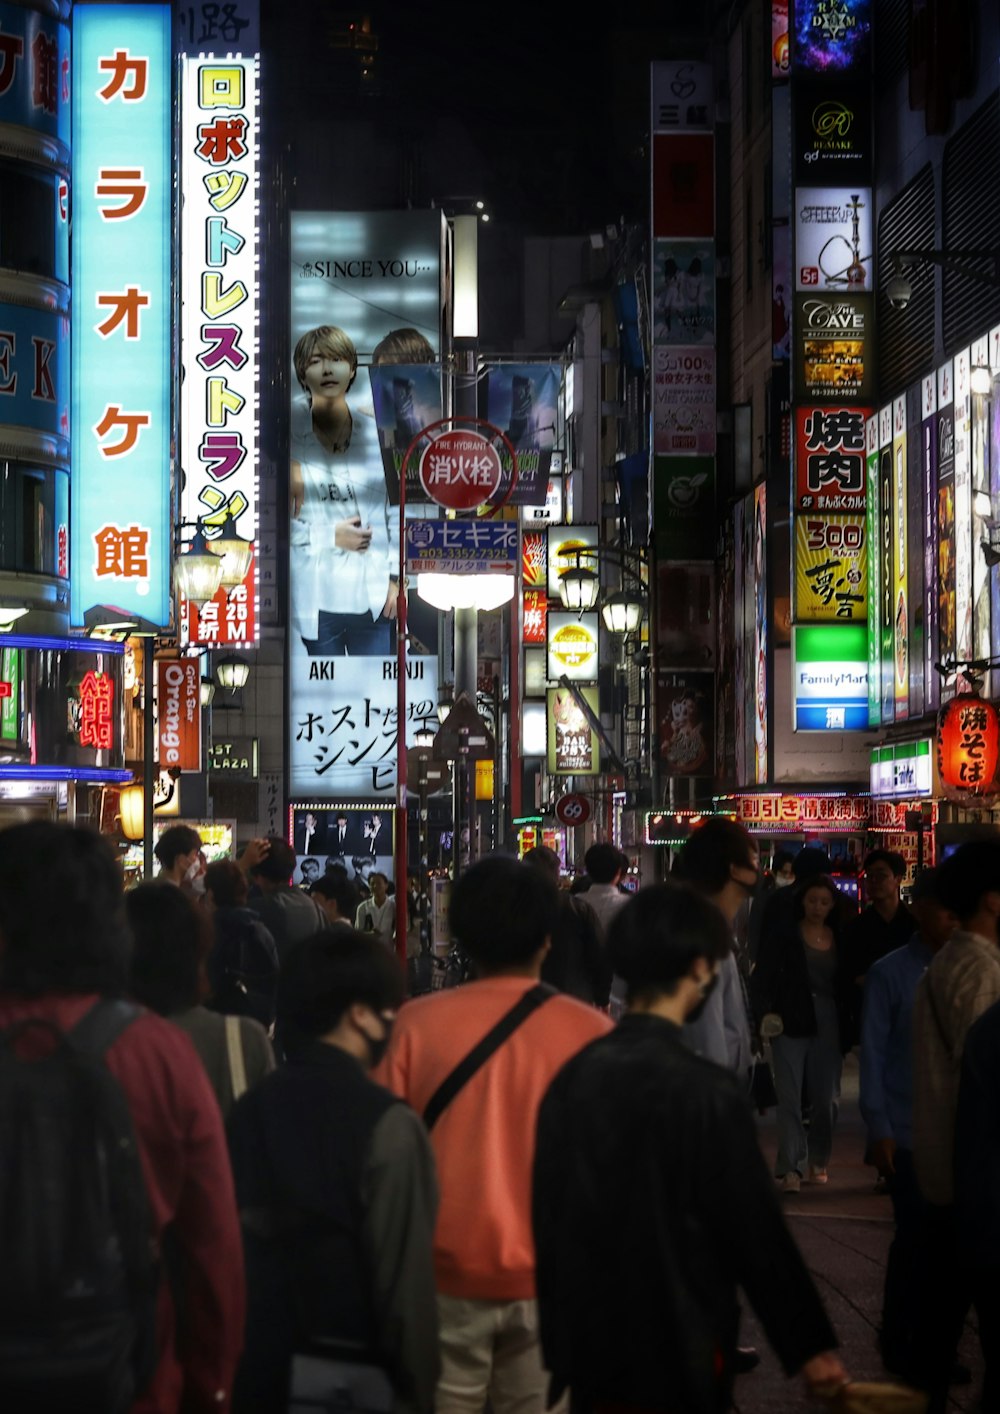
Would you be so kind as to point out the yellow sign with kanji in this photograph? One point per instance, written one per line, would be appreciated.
(831, 568)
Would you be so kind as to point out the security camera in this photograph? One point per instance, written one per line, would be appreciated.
(899, 290)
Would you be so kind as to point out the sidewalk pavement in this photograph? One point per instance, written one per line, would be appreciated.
(843, 1230)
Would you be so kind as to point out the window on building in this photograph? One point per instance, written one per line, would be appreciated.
(34, 519)
(27, 221)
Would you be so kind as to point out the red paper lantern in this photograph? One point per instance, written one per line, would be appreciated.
(968, 748)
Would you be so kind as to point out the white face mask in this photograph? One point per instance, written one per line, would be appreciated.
(195, 878)
(782, 882)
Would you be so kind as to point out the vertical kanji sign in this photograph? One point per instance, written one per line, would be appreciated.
(120, 523)
(219, 276)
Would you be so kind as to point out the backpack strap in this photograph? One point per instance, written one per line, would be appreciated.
(237, 1064)
(99, 1028)
(533, 998)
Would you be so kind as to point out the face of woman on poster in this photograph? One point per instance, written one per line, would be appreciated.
(327, 377)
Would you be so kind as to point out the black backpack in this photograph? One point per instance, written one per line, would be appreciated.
(78, 1279)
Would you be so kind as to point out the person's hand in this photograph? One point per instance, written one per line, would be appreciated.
(298, 489)
(824, 1374)
(389, 609)
(883, 1155)
(352, 535)
(256, 851)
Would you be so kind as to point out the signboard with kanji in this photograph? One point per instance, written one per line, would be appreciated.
(219, 300)
(831, 569)
(460, 469)
(178, 704)
(830, 458)
(462, 546)
(122, 315)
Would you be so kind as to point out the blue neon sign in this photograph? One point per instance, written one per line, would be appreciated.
(120, 526)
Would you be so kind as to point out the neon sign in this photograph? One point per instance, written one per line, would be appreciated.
(97, 695)
(219, 292)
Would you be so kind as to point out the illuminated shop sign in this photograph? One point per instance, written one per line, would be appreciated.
(831, 569)
(684, 400)
(830, 668)
(567, 550)
(929, 510)
(34, 369)
(35, 73)
(801, 812)
(219, 298)
(363, 286)
(534, 623)
(872, 528)
(900, 573)
(573, 745)
(573, 644)
(683, 292)
(833, 344)
(178, 704)
(120, 528)
(963, 507)
(832, 36)
(237, 757)
(903, 769)
(833, 239)
(832, 133)
(61, 713)
(830, 458)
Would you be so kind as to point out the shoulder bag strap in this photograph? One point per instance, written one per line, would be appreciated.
(99, 1028)
(234, 1048)
(533, 998)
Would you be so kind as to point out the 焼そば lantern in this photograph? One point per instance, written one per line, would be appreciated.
(968, 748)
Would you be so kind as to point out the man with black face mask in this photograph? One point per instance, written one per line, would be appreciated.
(652, 1201)
(336, 1187)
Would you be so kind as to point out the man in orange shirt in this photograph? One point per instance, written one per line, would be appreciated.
(476, 1062)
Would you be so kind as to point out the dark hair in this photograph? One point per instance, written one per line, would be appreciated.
(336, 864)
(175, 841)
(895, 861)
(278, 863)
(926, 885)
(403, 346)
(324, 975)
(965, 876)
(781, 858)
(170, 942)
(339, 888)
(654, 940)
(710, 851)
(502, 911)
(545, 859)
(603, 863)
(62, 921)
(227, 884)
(819, 881)
(810, 861)
(309, 859)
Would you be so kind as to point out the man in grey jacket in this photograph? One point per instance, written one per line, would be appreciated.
(720, 860)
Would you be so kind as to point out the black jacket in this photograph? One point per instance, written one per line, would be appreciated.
(577, 962)
(780, 983)
(243, 965)
(977, 1144)
(652, 1203)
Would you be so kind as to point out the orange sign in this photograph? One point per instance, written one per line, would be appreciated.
(97, 727)
(968, 747)
(178, 695)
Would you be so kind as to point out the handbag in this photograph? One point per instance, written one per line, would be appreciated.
(762, 1091)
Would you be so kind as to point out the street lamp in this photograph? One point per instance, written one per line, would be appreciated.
(207, 692)
(235, 554)
(579, 589)
(197, 571)
(233, 672)
(622, 612)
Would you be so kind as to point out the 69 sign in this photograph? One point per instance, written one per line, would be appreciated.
(573, 810)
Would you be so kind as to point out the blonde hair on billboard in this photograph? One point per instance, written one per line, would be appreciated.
(330, 342)
(403, 346)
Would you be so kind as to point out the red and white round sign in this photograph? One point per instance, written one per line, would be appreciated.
(573, 810)
(460, 470)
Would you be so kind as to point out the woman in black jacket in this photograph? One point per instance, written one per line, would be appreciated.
(798, 979)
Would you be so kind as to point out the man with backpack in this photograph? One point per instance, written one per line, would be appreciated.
(114, 1160)
(475, 1062)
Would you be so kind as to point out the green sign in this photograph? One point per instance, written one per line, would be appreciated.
(684, 507)
(10, 702)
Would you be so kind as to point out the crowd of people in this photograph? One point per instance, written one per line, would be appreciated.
(240, 1174)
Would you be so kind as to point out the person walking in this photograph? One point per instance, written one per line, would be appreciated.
(651, 1200)
(886, 924)
(962, 982)
(577, 961)
(336, 1187)
(798, 980)
(288, 914)
(475, 1061)
(170, 943)
(977, 1189)
(887, 1107)
(377, 915)
(242, 966)
(63, 960)
(181, 858)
